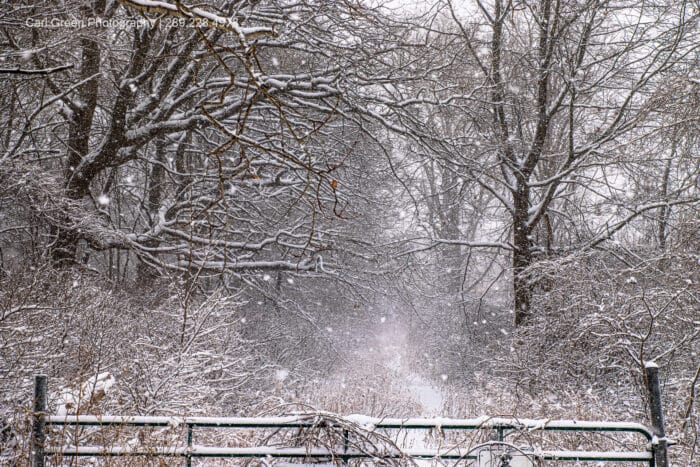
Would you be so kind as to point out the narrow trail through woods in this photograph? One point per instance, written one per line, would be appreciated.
(393, 345)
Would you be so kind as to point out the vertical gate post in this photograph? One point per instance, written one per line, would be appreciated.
(188, 459)
(346, 442)
(659, 444)
(39, 421)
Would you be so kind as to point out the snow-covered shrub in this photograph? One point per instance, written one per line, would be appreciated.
(109, 351)
(597, 318)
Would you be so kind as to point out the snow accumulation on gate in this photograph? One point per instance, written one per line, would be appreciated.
(322, 418)
(414, 447)
(303, 452)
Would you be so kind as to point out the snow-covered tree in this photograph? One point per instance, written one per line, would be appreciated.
(549, 95)
(203, 139)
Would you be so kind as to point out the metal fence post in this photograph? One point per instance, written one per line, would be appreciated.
(39, 421)
(659, 443)
(188, 460)
(346, 442)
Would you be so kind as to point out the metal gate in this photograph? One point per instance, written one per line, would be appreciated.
(498, 451)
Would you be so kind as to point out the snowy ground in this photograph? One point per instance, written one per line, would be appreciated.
(426, 394)
(430, 399)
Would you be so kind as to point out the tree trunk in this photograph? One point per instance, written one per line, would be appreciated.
(77, 186)
(156, 183)
(522, 255)
(665, 211)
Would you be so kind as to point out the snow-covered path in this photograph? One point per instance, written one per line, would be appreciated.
(422, 391)
(426, 394)
(430, 399)
(429, 396)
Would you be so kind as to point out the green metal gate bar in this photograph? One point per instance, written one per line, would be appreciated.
(304, 453)
(502, 427)
(309, 420)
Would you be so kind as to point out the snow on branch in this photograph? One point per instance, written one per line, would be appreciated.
(272, 265)
(434, 242)
(43, 71)
(611, 230)
(5, 314)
